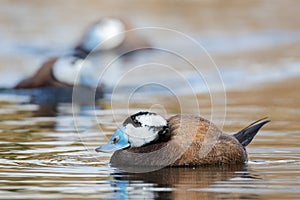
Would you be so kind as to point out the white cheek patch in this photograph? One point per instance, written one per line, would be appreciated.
(73, 70)
(66, 70)
(112, 33)
(151, 120)
(106, 35)
(138, 136)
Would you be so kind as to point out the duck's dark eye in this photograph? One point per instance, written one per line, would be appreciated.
(135, 122)
(115, 140)
(132, 120)
(73, 62)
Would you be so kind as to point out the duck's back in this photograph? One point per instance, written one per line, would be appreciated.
(205, 143)
(42, 78)
(194, 141)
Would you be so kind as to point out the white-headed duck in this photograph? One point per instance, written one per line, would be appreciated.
(62, 71)
(147, 139)
(107, 34)
(111, 34)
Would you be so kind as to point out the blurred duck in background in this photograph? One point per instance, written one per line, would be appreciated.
(64, 71)
(109, 34)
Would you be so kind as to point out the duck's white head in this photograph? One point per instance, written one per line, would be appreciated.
(75, 71)
(106, 34)
(138, 130)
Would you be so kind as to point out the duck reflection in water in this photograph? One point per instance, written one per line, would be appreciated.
(178, 182)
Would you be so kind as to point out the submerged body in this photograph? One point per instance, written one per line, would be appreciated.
(185, 140)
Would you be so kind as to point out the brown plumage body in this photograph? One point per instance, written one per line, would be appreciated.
(42, 78)
(194, 141)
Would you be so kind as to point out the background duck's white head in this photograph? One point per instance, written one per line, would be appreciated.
(138, 130)
(75, 71)
(106, 34)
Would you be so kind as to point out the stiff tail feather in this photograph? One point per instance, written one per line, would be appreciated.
(246, 135)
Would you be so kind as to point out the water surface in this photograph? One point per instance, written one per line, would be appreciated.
(48, 138)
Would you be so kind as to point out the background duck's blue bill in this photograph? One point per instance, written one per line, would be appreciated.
(120, 144)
